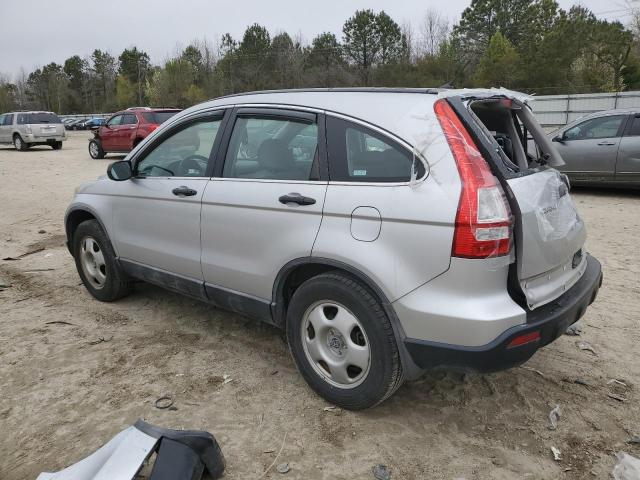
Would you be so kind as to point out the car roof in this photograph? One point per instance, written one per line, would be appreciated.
(388, 108)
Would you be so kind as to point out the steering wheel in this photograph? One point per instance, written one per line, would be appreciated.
(191, 163)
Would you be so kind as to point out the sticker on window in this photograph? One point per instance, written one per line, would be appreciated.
(359, 173)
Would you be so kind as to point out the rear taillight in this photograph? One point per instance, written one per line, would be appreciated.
(483, 220)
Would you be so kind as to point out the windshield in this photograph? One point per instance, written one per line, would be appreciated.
(158, 117)
(43, 117)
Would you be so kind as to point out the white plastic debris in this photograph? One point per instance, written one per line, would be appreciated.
(554, 416)
(627, 468)
(586, 346)
(557, 455)
(574, 330)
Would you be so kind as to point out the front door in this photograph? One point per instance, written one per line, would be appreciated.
(264, 207)
(590, 148)
(156, 214)
(110, 134)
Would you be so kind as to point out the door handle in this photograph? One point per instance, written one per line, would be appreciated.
(297, 198)
(184, 191)
(606, 143)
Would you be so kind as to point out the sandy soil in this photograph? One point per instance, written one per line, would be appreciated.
(66, 388)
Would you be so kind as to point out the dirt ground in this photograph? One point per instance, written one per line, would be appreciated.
(74, 372)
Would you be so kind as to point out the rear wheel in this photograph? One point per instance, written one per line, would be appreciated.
(56, 145)
(342, 342)
(96, 263)
(95, 150)
(19, 143)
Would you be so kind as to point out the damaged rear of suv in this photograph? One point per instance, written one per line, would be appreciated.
(387, 231)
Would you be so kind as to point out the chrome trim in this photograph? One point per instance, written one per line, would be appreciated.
(267, 180)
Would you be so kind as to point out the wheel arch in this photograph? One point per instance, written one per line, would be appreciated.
(74, 217)
(297, 271)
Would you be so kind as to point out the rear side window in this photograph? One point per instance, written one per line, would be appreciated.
(272, 149)
(157, 117)
(602, 127)
(633, 130)
(360, 154)
(23, 118)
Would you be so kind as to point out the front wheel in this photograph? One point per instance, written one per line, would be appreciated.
(95, 150)
(96, 263)
(342, 342)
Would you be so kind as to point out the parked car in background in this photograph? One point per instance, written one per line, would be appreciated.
(387, 231)
(25, 129)
(73, 124)
(602, 148)
(91, 124)
(125, 129)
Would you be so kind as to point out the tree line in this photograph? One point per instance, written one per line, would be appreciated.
(529, 45)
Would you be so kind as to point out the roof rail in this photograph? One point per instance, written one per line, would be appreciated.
(432, 91)
(139, 108)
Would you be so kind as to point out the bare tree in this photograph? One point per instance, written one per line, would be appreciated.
(433, 31)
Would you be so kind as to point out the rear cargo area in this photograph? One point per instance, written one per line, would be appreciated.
(549, 233)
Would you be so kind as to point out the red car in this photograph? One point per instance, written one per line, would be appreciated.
(125, 129)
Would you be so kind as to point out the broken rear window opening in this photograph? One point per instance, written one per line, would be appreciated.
(519, 140)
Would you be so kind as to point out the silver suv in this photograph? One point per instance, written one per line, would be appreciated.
(25, 129)
(387, 231)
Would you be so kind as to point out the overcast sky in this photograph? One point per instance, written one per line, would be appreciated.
(37, 32)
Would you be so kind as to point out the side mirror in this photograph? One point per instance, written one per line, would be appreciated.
(558, 138)
(120, 171)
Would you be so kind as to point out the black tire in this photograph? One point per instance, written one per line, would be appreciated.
(385, 373)
(116, 284)
(20, 145)
(56, 145)
(95, 150)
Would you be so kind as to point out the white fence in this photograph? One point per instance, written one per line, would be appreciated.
(554, 111)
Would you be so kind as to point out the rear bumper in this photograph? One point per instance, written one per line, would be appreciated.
(550, 321)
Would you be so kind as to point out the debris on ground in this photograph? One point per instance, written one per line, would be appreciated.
(579, 381)
(557, 455)
(42, 231)
(574, 330)
(627, 468)
(59, 322)
(34, 270)
(101, 340)
(331, 408)
(635, 439)
(381, 472)
(586, 346)
(30, 252)
(283, 467)
(619, 398)
(163, 403)
(4, 283)
(617, 382)
(226, 379)
(554, 416)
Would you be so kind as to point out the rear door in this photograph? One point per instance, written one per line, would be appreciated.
(264, 206)
(590, 148)
(628, 164)
(127, 131)
(3, 130)
(549, 233)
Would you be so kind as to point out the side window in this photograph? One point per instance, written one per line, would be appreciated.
(22, 119)
(185, 153)
(129, 119)
(115, 121)
(8, 119)
(359, 154)
(273, 149)
(2, 120)
(602, 127)
(633, 130)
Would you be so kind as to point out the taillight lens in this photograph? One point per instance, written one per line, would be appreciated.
(483, 220)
